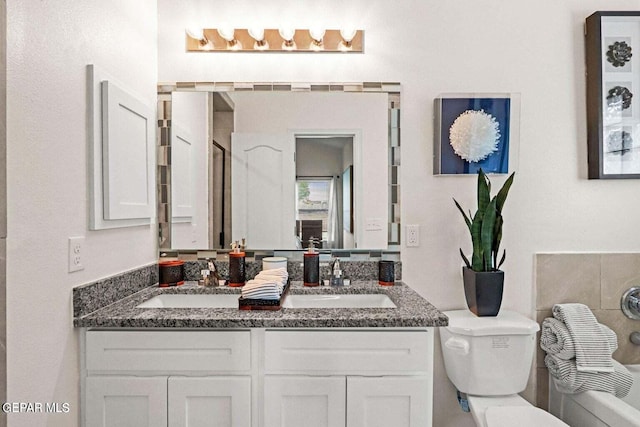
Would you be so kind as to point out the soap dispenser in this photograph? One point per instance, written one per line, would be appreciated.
(336, 274)
(311, 274)
(214, 277)
(237, 265)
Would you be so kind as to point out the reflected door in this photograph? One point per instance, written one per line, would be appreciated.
(263, 188)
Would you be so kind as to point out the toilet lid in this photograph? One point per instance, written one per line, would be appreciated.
(521, 416)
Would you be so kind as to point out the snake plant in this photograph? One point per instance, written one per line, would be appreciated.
(485, 226)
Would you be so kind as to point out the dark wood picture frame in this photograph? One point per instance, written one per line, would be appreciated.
(612, 47)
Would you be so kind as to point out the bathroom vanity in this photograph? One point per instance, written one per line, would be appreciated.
(226, 367)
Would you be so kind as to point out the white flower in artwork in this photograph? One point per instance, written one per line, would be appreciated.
(474, 135)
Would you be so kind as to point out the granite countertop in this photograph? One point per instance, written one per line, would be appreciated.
(412, 311)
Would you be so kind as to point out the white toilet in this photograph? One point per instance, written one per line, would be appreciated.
(488, 359)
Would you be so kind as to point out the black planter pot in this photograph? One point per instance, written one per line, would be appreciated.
(483, 291)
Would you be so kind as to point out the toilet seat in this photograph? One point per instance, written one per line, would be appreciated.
(509, 416)
(508, 411)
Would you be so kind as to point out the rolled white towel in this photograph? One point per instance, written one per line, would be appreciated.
(555, 339)
(570, 380)
(593, 353)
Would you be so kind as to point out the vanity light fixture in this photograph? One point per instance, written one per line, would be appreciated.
(228, 39)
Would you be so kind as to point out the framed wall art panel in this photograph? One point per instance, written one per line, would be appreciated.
(613, 107)
(475, 131)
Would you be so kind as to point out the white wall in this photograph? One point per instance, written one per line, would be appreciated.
(364, 115)
(189, 112)
(535, 48)
(49, 45)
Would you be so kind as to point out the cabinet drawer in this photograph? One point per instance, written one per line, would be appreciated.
(344, 352)
(171, 351)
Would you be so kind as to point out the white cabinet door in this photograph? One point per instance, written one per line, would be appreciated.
(210, 402)
(388, 401)
(304, 401)
(126, 402)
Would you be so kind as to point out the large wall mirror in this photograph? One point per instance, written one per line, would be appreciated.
(279, 164)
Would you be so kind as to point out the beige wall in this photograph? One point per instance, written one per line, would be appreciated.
(49, 45)
(3, 207)
(596, 280)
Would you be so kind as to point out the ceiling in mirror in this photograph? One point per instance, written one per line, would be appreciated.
(278, 163)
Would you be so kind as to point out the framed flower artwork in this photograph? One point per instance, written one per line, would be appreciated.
(475, 131)
(613, 108)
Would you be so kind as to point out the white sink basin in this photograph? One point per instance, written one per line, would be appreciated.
(192, 301)
(339, 301)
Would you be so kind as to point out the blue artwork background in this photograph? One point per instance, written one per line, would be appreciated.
(451, 108)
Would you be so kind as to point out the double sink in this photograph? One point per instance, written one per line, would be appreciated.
(291, 301)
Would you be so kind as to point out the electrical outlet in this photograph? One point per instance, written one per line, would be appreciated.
(76, 253)
(373, 224)
(413, 236)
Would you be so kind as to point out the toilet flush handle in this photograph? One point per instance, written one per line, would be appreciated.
(458, 345)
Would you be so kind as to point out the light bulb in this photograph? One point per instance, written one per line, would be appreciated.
(195, 33)
(258, 35)
(348, 34)
(317, 34)
(287, 35)
(228, 33)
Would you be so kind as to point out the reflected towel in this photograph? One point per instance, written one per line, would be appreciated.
(556, 339)
(569, 380)
(593, 353)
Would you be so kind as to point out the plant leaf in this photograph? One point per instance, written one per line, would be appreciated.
(504, 255)
(465, 259)
(476, 240)
(464, 215)
(501, 197)
(497, 237)
(484, 194)
(486, 233)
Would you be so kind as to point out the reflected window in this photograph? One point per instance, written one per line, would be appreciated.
(312, 209)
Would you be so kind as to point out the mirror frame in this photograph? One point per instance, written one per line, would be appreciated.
(163, 163)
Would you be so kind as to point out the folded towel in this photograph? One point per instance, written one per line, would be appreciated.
(262, 289)
(261, 294)
(556, 339)
(272, 276)
(569, 380)
(593, 353)
(281, 272)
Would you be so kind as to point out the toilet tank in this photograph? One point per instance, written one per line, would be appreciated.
(488, 356)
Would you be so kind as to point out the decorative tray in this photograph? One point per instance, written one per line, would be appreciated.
(264, 304)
